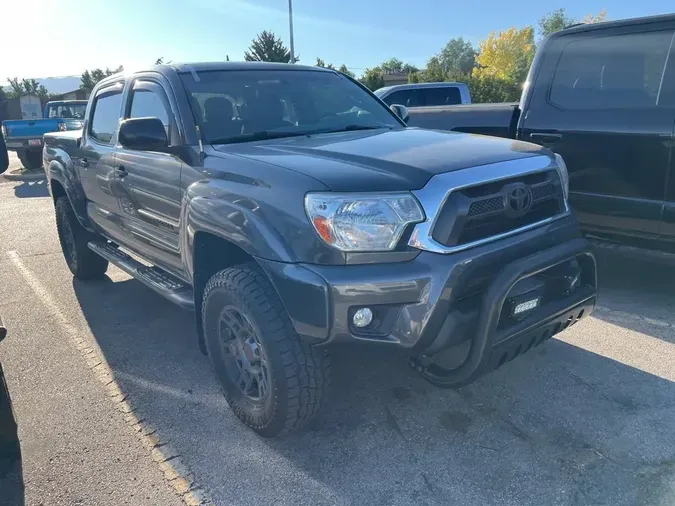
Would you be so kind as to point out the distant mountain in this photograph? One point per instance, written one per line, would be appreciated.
(57, 85)
(60, 84)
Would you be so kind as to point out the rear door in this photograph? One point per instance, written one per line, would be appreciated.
(96, 162)
(150, 193)
(595, 101)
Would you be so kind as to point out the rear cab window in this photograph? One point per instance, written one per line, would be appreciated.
(106, 114)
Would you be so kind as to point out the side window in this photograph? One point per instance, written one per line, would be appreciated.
(611, 72)
(403, 97)
(106, 116)
(146, 104)
(447, 95)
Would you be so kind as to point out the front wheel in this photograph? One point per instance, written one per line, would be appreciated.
(82, 262)
(272, 379)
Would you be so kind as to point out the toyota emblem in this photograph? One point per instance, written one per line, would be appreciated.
(518, 199)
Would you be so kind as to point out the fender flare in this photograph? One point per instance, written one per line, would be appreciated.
(234, 218)
(66, 175)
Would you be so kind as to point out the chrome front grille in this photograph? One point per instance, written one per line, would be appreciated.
(487, 203)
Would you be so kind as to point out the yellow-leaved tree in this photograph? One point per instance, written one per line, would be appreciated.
(506, 55)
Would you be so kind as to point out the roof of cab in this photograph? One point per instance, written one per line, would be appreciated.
(238, 65)
(211, 66)
(585, 27)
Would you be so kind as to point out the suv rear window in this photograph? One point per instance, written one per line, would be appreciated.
(611, 72)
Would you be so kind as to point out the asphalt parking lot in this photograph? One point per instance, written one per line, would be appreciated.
(587, 418)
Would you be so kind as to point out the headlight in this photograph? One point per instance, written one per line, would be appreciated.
(362, 221)
(561, 166)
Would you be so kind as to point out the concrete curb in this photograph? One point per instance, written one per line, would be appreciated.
(24, 175)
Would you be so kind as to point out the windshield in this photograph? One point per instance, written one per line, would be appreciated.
(245, 105)
(75, 111)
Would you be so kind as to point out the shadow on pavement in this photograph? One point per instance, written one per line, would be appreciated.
(31, 189)
(11, 473)
(560, 425)
(640, 284)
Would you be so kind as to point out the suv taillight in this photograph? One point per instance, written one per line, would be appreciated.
(63, 127)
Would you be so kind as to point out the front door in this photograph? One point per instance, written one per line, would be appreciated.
(600, 110)
(150, 193)
(96, 163)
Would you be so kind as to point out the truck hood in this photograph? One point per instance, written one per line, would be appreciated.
(382, 160)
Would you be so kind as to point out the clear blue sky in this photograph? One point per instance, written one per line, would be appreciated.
(68, 36)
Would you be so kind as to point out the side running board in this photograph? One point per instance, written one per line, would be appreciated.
(153, 277)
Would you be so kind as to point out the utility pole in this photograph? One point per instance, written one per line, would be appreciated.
(290, 25)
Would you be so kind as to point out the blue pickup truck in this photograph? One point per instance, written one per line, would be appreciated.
(25, 136)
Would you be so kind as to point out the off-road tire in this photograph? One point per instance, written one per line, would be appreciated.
(31, 160)
(299, 373)
(82, 262)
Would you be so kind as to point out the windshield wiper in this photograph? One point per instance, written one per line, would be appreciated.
(255, 136)
(352, 128)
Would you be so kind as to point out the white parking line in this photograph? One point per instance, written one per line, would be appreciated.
(167, 460)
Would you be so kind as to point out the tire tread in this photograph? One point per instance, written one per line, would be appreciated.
(307, 369)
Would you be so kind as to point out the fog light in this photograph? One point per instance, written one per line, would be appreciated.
(362, 318)
(523, 307)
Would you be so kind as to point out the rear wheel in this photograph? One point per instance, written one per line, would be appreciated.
(30, 160)
(82, 262)
(272, 379)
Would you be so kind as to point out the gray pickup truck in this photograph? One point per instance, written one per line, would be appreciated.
(291, 209)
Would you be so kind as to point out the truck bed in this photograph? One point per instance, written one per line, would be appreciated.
(498, 120)
(19, 131)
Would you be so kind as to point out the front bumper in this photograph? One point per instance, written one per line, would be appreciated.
(437, 301)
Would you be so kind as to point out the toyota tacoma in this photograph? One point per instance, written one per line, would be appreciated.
(291, 209)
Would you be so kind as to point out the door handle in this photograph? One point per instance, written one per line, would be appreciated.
(84, 162)
(120, 171)
(548, 138)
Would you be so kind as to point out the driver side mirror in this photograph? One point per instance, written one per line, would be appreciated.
(401, 111)
(143, 134)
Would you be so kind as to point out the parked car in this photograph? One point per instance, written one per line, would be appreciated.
(25, 136)
(602, 96)
(11, 473)
(340, 226)
(425, 94)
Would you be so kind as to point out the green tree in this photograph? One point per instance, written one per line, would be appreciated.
(91, 78)
(268, 47)
(554, 22)
(26, 87)
(457, 58)
(373, 78)
(343, 68)
(435, 71)
(394, 65)
(322, 64)
(486, 89)
(558, 20)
